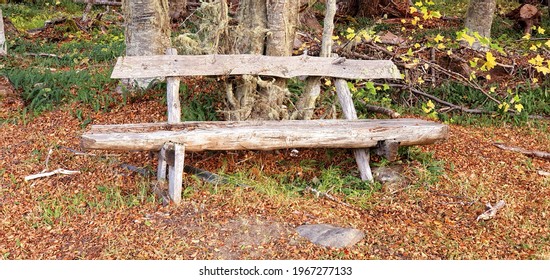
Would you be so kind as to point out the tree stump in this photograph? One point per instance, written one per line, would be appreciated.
(526, 16)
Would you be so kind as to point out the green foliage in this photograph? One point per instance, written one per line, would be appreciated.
(197, 106)
(44, 89)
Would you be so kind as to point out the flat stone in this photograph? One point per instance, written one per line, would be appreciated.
(330, 236)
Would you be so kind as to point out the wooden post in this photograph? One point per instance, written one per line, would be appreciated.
(175, 173)
(161, 169)
(172, 94)
(362, 156)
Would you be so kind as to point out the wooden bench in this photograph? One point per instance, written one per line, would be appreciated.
(173, 138)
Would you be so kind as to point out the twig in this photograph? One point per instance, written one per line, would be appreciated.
(440, 101)
(47, 174)
(43, 54)
(491, 211)
(48, 159)
(458, 197)
(330, 197)
(539, 154)
(76, 152)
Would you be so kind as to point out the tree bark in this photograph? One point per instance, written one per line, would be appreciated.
(147, 29)
(479, 18)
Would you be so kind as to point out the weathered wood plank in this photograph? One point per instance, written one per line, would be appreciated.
(247, 64)
(265, 135)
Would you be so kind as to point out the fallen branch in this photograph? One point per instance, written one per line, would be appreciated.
(491, 211)
(48, 174)
(539, 154)
(382, 110)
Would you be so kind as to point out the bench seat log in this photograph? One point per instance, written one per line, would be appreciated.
(134, 67)
(263, 135)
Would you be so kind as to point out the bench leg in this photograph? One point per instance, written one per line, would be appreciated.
(362, 156)
(175, 174)
(171, 161)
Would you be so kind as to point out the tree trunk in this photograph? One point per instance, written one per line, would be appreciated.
(177, 9)
(249, 37)
(479, 18)
(147, 29)
(281, 22)
(260, 32)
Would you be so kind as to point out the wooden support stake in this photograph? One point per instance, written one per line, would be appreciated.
(175, 173)
(362, 156)
(162, 168)
(173, 94)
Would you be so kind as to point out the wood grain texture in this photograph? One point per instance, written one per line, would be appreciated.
(247, 64)
(264, 135)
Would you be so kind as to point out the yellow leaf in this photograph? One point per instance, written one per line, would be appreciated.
(491, 62)
(403, 21)
(488, 77)
(527, 36)
(430, 104)
(418, 4)
(536, 61)
(413, 10)
(417, 45)
(518, 107)
(421, 26)
(420, 80)
(542, 69)
(335, 37)
(540, 30)
(468, 39)
(547, 43)
(390, 48)
(533, 48)
(438, 38)
(328, 82)
(441, 46)
(504, 106)
(492, 89)
(534, 80)
(436, 14)
(449, 52)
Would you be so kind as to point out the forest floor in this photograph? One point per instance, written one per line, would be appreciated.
(107, 211)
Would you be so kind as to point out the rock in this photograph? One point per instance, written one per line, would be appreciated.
(330, 236)
(391, 177)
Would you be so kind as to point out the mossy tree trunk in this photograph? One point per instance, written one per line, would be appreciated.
(262, 32)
